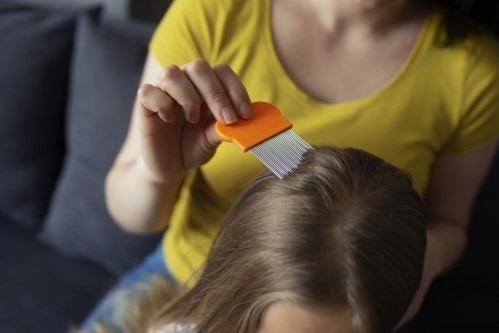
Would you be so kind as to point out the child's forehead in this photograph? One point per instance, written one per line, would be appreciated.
(287, 317)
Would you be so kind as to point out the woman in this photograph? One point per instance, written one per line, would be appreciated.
(377, 75)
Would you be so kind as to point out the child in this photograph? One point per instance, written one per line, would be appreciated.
(338, 245)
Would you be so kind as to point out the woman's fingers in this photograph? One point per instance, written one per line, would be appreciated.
(221, 89)
(234, 89)
(206, 82)
(194, 85)
(174, 82)
(155, 100)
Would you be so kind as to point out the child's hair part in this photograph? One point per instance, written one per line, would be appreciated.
(345, 228)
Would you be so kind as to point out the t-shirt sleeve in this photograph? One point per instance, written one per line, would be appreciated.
(479, 121)
(186, 32)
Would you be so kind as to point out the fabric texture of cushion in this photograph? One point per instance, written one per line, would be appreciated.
(36, 48)
(42, 290)
(105, 74)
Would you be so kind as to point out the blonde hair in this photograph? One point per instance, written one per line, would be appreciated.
(345, 228)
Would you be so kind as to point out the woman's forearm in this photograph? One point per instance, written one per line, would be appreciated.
(446, 242)
(453, 186)
(138, 203)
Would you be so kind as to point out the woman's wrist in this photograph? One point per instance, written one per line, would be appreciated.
(446, 242)
(146, 176)
(136, 200)
(439, 258)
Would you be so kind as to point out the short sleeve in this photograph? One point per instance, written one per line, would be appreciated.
(187, 31)
(479, 121)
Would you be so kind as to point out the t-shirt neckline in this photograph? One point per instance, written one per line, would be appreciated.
(427, 30)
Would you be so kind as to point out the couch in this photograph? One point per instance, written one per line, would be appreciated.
(67, 82)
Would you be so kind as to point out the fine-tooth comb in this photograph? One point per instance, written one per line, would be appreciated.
(269, 136)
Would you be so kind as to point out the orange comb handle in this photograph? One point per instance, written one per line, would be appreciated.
(265, 123)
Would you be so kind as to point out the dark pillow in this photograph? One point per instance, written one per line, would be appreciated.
(36, 45)
(105, 74)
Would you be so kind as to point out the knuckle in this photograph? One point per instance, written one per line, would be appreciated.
(144, 91)
(169, 72)
(222, 68)
(218, 98)
(199, 65)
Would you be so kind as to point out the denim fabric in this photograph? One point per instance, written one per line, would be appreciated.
(111, 309)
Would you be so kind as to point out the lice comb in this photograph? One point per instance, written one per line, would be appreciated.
(269, 136)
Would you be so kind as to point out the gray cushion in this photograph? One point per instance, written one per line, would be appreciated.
(105, 75)
(42, 290)
(36, 46)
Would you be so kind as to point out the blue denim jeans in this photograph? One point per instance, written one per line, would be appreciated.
(111, 309)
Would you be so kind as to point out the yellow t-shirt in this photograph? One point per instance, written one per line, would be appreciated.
(442, 99)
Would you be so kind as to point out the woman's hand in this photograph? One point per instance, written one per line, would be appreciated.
(177, 116)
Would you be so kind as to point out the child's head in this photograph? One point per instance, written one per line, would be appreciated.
(342, 235)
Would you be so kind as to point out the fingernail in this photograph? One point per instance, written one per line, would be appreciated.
(170, 118)
(193, 118)
(245, 110)
(229, 115)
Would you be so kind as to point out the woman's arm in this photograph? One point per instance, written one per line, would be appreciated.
(454, 184)
(171, 132)
(134, 198)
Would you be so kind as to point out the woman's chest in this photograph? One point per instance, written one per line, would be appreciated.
(340, 66)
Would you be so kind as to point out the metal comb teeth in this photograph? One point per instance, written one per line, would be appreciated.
(282, 152)
(268, 135)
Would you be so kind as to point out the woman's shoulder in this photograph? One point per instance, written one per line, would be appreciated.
(480, 54)
(484, 48)
(213, 6)
(210, 15)
(478, 47)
